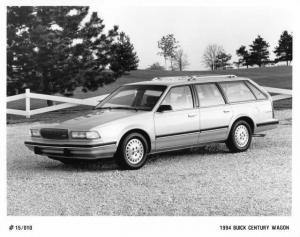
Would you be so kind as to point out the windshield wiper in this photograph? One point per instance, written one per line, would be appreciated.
(117, 107)
(122, 107)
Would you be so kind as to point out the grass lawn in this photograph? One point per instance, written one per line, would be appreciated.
(280, 77)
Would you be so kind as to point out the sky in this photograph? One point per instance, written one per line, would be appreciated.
(195, 27)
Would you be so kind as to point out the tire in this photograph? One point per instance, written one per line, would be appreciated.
(132, 152)
(240, 137)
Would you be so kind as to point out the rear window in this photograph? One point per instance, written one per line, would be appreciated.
(258, 94)
(237, 92)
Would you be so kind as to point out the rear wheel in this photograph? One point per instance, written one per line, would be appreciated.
(132, 152)
(240, 137)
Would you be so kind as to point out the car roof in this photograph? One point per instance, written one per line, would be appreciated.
(184, 80)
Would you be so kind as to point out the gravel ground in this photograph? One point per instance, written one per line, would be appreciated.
(203, 181)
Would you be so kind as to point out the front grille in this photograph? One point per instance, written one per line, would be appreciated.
(54, 133)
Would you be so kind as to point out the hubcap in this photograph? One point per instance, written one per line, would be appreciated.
(241, 135)
(134, 151)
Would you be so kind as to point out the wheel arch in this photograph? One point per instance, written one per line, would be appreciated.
(246, 118)
(140, 131)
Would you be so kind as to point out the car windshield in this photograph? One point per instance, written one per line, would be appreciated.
(137, 97)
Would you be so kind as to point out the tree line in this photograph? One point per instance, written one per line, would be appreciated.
(51, 50)
(58, 49)
(258, 53)
(215, 57)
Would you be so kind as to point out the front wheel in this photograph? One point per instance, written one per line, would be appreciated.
(132, 152)
(240, 137)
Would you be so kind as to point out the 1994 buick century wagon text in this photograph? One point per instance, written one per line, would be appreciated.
(161, 115)
(254, 227)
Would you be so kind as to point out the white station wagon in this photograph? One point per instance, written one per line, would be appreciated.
(164, 114)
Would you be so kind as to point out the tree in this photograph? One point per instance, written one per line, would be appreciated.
(244, 56)
(180, 60)
(156, 66)
(168, 45)
(50, 50)
(237, 63)
(284, 50)
(259, 53)
(20, 53)
(222, 60)
(124, 57)
(210, 55)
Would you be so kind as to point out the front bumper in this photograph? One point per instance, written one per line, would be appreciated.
(77, 151)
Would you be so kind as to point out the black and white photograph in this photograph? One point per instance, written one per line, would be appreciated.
(139, 109)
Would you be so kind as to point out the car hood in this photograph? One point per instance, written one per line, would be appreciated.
(97, 118)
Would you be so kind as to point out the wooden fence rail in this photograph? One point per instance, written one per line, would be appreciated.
(92, 101)
(68, 102)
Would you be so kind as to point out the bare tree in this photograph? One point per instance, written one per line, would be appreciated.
(180, 60)
(210, 55)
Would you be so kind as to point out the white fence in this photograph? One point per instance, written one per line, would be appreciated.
(283, 93)
(92, 101)
(69, 102)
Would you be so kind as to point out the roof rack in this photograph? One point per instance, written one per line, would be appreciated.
(190, 78)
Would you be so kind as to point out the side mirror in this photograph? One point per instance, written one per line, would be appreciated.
(163, 108)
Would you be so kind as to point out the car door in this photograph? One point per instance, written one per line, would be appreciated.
(178, 127)
(214, 113)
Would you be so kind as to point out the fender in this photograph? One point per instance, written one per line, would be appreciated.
(150, 136)
(237, 117)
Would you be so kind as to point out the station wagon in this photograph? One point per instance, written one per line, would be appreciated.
(165, 114)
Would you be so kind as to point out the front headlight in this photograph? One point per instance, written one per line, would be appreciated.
(85, 135)
(35, 132)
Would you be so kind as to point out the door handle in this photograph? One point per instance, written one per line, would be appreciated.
(226, 111)
(191, 115)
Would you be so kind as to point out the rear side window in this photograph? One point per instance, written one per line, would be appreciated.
(237, 91)
(258, 94)
(209, 95)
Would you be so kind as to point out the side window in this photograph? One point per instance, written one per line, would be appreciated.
(209, 95)
(150, 98)
(237, 91)
(179, 98)
(259, 95)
